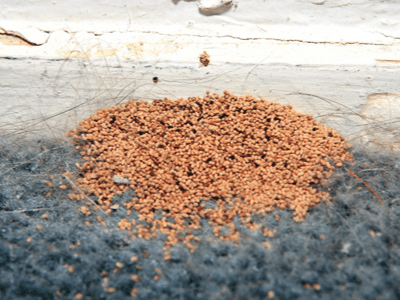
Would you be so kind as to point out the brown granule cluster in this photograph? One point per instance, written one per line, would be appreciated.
(205, 58)
(251, 156)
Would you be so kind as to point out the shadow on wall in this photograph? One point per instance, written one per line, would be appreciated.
(212, 7)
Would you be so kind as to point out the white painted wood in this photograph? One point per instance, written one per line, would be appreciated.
(362, 21)
(336, 60)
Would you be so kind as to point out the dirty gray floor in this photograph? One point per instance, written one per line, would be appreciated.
(345, 250)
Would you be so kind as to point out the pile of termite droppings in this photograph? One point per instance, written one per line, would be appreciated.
(250, 156)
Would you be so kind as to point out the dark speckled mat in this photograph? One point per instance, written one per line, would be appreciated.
(348, 249)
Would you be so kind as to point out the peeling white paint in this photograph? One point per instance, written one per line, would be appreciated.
(325, 57)
(215, 7)
(361, 21)
(154, 47)
(31, 35)
(383, 109)
(318, 2)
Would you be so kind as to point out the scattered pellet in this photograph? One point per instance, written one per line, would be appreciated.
(205, 58)
(134, 277)
(85, 211)
(269, 233)
(69, 268)
(267, 245)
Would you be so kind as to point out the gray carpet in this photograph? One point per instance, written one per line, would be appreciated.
(345, 250)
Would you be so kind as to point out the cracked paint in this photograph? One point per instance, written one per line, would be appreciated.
(215, 7)
(312, 20)
(23, 37)
(155, 46)
(11, 40)
(327, 48)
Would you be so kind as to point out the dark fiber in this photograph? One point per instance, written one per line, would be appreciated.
(349, 249)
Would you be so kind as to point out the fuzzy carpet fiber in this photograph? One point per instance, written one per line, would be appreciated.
(348, 249)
